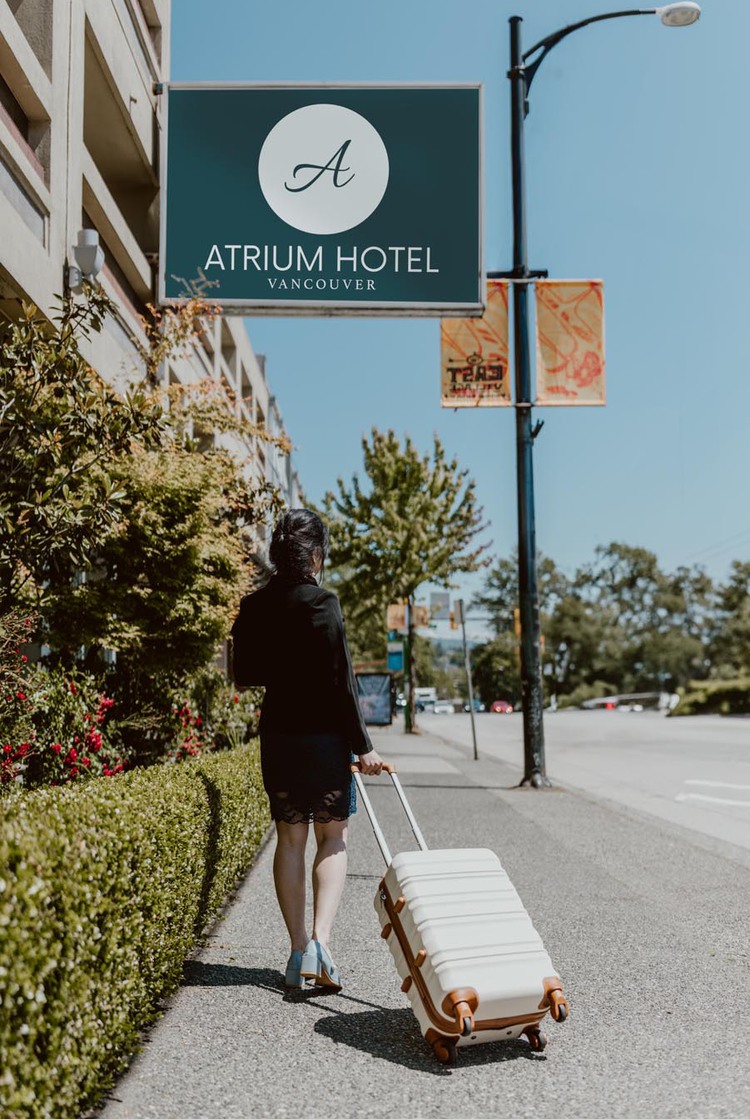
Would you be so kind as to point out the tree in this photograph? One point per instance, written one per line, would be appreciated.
(730, 640)
(495, 669)
(413, 520)
(621, 623)
(61, 431)
(137, 516)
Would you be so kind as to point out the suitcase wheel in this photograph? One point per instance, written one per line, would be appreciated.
(445, 1050)
(537, 1040)
(559, 1008)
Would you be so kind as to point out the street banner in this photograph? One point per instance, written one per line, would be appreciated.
(420, 616)
(440, 605)
(395, 617)
(395, 656)
(474, 355)
(323, 199)
(570, 342)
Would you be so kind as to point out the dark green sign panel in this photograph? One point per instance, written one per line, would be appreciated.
(324, 199)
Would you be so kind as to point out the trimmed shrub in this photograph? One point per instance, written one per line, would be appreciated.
(715, 697)
(104, 888)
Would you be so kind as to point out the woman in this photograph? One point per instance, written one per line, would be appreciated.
(289, 637)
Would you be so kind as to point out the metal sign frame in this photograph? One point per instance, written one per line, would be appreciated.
(312, 307)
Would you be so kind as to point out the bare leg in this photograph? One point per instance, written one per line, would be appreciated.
(329, 876)
(289, 878)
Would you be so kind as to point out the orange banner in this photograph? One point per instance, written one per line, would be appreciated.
(474, 355)
(570, 342)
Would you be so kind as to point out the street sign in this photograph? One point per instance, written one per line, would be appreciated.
(395, 656)
(329, 199)
(440, 604)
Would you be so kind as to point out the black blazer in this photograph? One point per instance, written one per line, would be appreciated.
(289, 638)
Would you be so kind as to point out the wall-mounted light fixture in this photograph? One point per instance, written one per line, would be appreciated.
(89, 257)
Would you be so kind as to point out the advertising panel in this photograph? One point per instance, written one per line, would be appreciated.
(474, 368)
(570, 342)
(374, 690)
(329, 199)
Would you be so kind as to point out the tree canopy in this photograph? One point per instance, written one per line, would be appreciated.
(414, 519)
(620, 623)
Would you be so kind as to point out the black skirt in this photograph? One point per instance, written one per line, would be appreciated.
(308, 776)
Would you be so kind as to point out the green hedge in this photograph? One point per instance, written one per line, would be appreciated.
(104, 889)
(715, 697)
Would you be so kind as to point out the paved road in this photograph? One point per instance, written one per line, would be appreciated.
(647, 927)
(690, 771)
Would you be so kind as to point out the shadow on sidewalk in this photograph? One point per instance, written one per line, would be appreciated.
(393, 1035)
(198, 973)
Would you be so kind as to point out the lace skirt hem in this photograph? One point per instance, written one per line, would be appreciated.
(307, 777)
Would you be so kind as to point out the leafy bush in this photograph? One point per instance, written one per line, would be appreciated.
(54, 727)
(715, 697)
(61, 432)
(104, 888)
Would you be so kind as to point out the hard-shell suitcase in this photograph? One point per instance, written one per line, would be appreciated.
(472, 964)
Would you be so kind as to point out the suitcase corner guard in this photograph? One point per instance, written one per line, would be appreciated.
(462, 1004)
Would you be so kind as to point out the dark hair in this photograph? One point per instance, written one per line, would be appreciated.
(296, 538)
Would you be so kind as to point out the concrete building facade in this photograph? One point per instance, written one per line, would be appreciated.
(80, 139)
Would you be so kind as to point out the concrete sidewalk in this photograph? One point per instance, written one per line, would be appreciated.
(648, 929)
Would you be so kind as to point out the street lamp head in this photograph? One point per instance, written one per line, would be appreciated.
(679, 15)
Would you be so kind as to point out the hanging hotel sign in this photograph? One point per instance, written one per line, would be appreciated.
(324, 199)
(570, 342)
(474, 355)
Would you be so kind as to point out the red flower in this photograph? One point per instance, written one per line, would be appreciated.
(21, 696)
(235, 699)
(24, 658)
(56, 747)
(7, 749)
(86, 762)
(73, 688)
(72, 754)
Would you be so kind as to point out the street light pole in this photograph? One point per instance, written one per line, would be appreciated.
(523, 67)
(532, 697)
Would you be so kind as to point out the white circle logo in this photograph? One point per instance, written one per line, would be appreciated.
(323, 169)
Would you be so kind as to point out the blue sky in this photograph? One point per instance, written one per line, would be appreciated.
(638, 161)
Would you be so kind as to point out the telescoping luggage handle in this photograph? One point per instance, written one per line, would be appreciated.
(391, 771)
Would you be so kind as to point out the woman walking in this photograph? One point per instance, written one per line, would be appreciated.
(289, 637)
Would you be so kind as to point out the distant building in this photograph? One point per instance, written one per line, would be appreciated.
(80, 135)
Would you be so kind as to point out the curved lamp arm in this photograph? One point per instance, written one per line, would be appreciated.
(545, 45)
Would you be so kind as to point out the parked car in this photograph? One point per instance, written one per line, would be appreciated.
(478, 706)
(501, 707)
(443, 707)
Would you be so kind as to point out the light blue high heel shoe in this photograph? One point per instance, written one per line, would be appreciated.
(318, 966)
(292, 977)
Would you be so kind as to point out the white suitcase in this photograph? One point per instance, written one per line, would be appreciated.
(472, 964)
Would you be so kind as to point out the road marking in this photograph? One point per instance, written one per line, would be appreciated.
(713, 800)
(717, 784)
